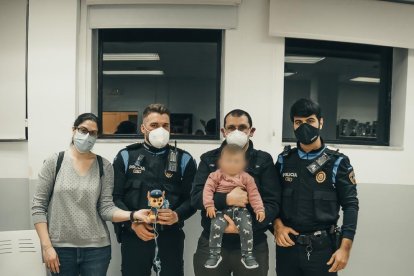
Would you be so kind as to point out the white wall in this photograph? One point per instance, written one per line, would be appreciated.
(14, 161)
(52, 59)
(252, 80)
(359, 21)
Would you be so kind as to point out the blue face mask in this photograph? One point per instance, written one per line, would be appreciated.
(83, 142)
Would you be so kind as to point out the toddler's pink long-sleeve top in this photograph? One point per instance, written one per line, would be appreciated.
(219, 182)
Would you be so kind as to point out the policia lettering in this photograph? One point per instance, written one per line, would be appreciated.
(314, 187)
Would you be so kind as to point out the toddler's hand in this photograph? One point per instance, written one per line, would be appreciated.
(211, 212)
(260, 216)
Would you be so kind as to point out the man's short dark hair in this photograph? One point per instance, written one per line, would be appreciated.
(305, 108)
(239, 113)
(155, 108)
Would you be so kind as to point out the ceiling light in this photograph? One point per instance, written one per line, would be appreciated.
(131, 56)
(303, 59)
(288, 74)
(366, 79)
(136, 72)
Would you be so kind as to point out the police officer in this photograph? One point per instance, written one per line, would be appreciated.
(237, 130)
(316, 182)
(139, 169)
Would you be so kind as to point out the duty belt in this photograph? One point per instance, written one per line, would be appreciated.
(306, 239)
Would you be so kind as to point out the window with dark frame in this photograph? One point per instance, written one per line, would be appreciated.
(352, 84)
(180, 68)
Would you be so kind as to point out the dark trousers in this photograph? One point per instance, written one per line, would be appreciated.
(293, 261)
(231, 262)
(243, 221)
(89, 261)
(138, 255)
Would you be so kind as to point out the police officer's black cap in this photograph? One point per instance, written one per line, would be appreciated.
(156, 193)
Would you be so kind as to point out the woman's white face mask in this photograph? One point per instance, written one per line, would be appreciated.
(158, 137)
(237, 137)
(83, 142)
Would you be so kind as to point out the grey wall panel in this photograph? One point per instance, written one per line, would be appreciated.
(14, 206)
(383, 244)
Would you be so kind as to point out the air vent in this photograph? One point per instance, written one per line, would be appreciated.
(6, 247)
(26, 245)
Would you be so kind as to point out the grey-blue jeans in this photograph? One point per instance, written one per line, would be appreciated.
(88, 261)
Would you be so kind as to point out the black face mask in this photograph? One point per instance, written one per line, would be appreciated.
(306, 134)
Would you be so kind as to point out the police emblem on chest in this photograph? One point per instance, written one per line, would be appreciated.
(320, 177)
(136, 169)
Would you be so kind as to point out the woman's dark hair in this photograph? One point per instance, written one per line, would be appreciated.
(86, 117)
(305, 108)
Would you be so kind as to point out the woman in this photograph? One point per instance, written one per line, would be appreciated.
(70, 207)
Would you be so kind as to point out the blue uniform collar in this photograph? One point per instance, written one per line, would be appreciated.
(155, 150)
(312, 154)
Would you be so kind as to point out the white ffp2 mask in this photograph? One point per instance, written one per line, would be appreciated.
(159, 137)
(238, 138)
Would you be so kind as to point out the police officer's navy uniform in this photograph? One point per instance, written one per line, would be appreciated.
(314, 187)
(140, 168)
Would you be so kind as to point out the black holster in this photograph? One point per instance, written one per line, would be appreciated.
(336, 236)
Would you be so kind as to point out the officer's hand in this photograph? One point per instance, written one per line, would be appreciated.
(339, 260)
(231, 226)
(237, 197)
(167, 217)
(282, 232)
(260, 216)
(211, 212)
(143, 231)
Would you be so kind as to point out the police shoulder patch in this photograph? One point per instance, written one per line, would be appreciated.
(351, 176)
(332, 148)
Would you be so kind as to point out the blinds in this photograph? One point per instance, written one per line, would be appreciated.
(358, 21)
(13, 69)
(222, 15)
